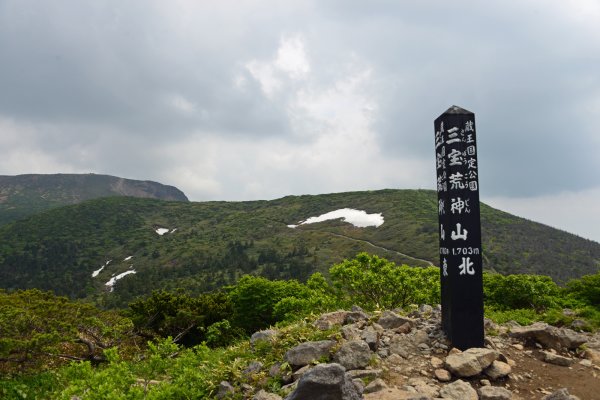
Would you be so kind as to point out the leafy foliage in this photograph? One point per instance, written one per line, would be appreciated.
(534, 292)
(586, 289)
(377, 283)
(39, 329)
(181, 316)
(184, 362)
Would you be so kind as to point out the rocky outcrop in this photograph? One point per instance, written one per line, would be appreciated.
(354, 354)
(459, 390)
(416, 352)
(308, 352)
(561, 394)
(325, 382)
(549, 336)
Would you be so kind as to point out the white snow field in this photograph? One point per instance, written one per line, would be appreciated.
(358, 218)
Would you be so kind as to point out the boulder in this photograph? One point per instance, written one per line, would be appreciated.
(225, 390)
(329, 320)
(494, 393)
(549, 336)
(555, 359)
(325, 382)
(371, 337)
(350, 332)
(253, 368)
(463, 365)
(459, 390)
(498, 370)
(307, 352)
(470, 362)
(267, 336)
(442, 375)
(355, 316)
(391, 320)
(354, 354)
(485, 356)
(375, 386)
(263, 395)
(560, 394)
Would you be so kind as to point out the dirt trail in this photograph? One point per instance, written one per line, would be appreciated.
(381, 248)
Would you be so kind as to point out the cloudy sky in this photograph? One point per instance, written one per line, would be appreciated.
(240, 100)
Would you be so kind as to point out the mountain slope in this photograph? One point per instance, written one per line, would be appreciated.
(24, 195)
(213, 243)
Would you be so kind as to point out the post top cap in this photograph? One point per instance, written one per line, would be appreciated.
(457, 110)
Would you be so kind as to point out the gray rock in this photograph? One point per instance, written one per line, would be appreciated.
(425, 309)
(391, 320)
(354, 354)
(375, 386)
(364, 373)
(403, 345)
(494, 393)
(325, 382)
(350, 332)
(549, 336)
(253, 368)
(329, 320)
(485, 356)
(463, 365)
(371, 337)
(359, 385)
(355, 316)
(498, 370)
(459, 390)
(298, 374)
(470, 362)
(560, 394)
(263, 395)
(555, 359)
(267, 336)
(442, 375)
(225, 390)
(307, 352)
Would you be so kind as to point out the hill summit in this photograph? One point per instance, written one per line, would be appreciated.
(24, 195)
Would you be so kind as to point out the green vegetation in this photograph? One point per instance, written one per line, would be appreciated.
(215, 243)
(177, 345)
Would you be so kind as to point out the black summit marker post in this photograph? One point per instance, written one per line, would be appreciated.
(459, 228)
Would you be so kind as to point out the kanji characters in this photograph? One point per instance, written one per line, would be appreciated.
(466, 267)
(459, 233)
(459, 205)
(455, 157)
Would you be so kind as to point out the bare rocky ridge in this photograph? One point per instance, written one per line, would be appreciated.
(389, 356)
(23, 195)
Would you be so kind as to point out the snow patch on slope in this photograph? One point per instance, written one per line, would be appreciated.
(96, 272)
(114, 279)
(358, 218)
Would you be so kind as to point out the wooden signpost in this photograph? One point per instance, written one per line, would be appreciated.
(459, 228)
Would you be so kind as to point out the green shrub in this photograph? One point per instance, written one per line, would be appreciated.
(376, 283)
(513, 292)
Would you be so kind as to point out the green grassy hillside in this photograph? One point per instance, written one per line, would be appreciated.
(24, 195)
(216, 242)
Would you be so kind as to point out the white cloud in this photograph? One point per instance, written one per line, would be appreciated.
(291, 57)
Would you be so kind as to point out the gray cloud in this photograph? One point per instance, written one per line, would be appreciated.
(235, 100)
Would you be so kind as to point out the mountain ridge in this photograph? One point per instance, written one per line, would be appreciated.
(200, 246)
(27, 194)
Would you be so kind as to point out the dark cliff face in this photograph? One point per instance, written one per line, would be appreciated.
(24, 195)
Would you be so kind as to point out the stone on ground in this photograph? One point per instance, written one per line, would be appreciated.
(325, 382)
